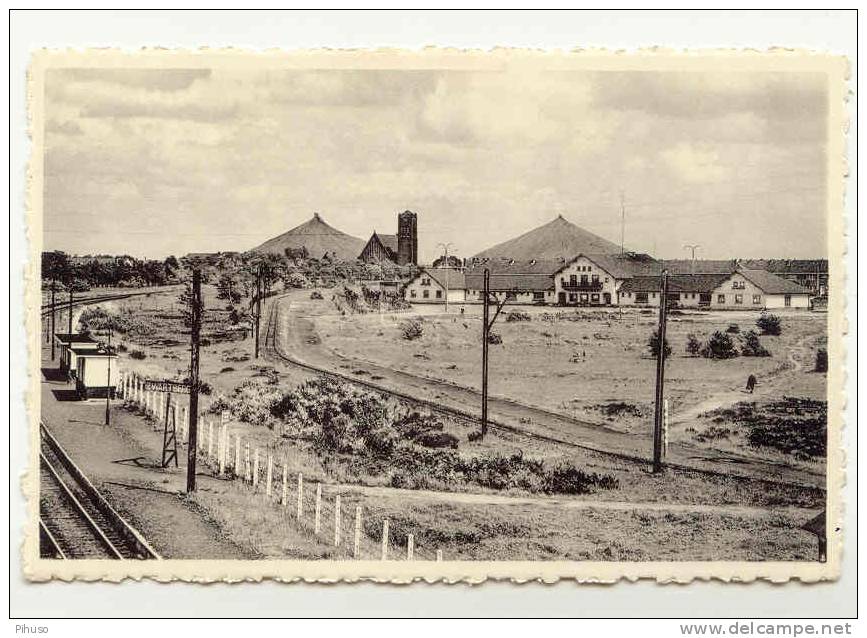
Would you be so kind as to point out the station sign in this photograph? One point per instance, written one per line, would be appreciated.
(167, 386)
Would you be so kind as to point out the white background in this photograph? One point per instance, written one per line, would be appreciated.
(824, 31)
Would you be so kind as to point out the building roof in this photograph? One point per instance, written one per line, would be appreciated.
(389, 241)
(772, 284)
(700, 266)
(676, 283)
(513, 275)
(626, 265)
(788, 266)
(74, 337)
(447, 277)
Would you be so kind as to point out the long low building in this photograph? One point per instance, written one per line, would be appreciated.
(435, 285)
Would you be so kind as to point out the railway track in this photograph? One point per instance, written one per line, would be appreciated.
(75, 520)
(271, 345)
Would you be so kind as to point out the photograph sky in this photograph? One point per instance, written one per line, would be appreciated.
(152, 162)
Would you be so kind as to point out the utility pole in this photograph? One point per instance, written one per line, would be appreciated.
(660, 378)
(622, 223)
(258, 306)
(445, 247)
(53, 288)
(70, 311)
(487, 322)
(196, 312)
(108, 380)
(693, 248)
(485, 332)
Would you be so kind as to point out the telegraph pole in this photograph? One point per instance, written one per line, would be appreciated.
(53, 288)
(693, 248)
(485, 332)
(660, 378)
(196, 312)
(70, 311)
(258, 306)
(108, 381)
(446, 249)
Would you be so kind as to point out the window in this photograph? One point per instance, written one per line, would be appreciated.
(739, 299)
(594, 298)
(538, 295)
(583, 280)
(720, 298)
(425, 281)
(653, 294)
(584, 297)
(738, 285)
(573, 297)
(757, 299)
(412, 292)
(439, 294)
(787, 301)
(511, 296)
(425, 293)
(640, 297)
(594, 279)
(606, 280)
(562, 281)
(573, 280)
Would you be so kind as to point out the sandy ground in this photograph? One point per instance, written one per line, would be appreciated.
(699, 515)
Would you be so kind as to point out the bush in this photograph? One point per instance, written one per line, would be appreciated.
(316, 295)
(752, 347)
(495, 339)
(693, 345)
(412, 329)
(653, 345)
(518, 315)
(769, 324)
(475, 435)
(719, 346)
(821, 360)
(437, 440)
(137, 354)
(121, 347)
(296, 280)
(227, 369)
(565, 478)
(733, 328)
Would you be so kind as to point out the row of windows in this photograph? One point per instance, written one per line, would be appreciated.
(739, 299)
(425, 294)
(739, 285)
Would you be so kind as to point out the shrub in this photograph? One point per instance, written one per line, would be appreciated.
(719, 346)
(769, 324)
(518, 315)
(227, 369)
(733, 328)
(653, 345)
(475, 435)
(137, 354)
(437, 440)
(752, 347)
(565, 478)
(693, 345)
(316, 295)
(411, 329)
(121, 347)
(495, 339)
(821, 360)
(296, 280)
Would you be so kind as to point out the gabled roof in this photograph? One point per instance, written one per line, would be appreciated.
(502, 266)
(447, 277)
(513, 275)
(623, 266)
(90, 352)
(771, 284)
(676, 283)
(389, 241)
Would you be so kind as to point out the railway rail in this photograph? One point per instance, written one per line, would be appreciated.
(271, 345)
(75, 520)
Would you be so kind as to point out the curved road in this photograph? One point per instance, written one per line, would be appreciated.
(292, 338)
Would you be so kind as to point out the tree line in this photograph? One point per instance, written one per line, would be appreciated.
(83, 273)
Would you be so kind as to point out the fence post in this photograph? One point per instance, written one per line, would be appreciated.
(185, 424)
(439, 555)
(337, 520)
(317, 521)
(357, 540)
(221, 450)
(410, 546)
(237, 466)
(247, 461)
(300, 510)
(269, 476)
(283, 496)
(210, 439)
(385, 539)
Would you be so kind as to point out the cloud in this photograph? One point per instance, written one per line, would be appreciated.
(694, 164)
(149, 79)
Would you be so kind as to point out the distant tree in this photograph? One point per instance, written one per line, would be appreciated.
(769, 324)
(719, 346)
(229, 288)
(752, 347)
(693, 345)
(56, 266)
(185, 301)
(653, 345)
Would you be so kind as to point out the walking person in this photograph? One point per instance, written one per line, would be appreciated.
(751, 383)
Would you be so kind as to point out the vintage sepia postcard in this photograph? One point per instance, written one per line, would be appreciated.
(436, 315)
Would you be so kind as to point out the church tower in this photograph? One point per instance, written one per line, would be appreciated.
(407, 238)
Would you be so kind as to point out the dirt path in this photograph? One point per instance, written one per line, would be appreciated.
(294, 339)
(126, 470)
